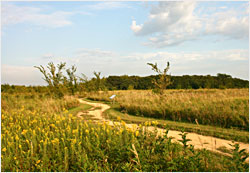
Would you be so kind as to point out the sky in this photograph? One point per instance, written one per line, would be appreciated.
(120, 38)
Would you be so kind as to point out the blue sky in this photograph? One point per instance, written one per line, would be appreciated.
(118, 38)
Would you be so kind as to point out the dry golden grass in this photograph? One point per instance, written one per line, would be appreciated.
(223, 108)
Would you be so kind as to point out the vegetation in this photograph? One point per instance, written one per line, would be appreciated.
(55, 80)
(41, 129)
(223, 133)
(49, 138)
(164, 79)
(222, 108)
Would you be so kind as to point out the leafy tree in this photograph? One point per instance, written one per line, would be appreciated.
(72, 81)
(98, 81)
(54, 77)
(164, 79)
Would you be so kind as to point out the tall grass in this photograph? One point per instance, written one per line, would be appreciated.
(223, 108)
(43, 140)
(33, 102)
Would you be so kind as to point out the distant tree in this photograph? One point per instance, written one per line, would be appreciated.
(72, 80)
(54, 77)
(164, 79)
(98, 81)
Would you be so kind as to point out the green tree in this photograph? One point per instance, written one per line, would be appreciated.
(54, 77)
(164, 79)
(72, 81)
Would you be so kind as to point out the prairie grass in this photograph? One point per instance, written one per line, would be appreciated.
(47, 141)
(222, 108)
(223, 133)
(33, 102)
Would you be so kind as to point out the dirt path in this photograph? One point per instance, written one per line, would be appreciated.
(199, 141)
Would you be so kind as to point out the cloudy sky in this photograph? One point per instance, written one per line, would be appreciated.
(118, 38)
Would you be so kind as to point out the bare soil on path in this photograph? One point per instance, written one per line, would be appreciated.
(198, 141)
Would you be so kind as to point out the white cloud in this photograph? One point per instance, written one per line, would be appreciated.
(228, 24)
(20, 75)
(227, 55)
(172, 23)
(13, 14)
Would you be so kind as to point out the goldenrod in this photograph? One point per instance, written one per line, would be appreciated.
(136, 133)
(24, 132)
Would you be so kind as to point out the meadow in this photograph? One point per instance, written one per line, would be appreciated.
(40, 133)
(227, 108)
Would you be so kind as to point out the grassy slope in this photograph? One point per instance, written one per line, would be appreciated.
(82, 107)
(229, 134)
(222, 108)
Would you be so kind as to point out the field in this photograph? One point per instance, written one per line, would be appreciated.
(221, 108)
(40, 133)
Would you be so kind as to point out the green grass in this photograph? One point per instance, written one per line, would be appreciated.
(82, 108)
(40, 140)
(229, 134)
(221, 108)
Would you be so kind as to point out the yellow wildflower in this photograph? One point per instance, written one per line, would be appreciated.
(4, 149)
(20, 146)
(136, 133)
(87, 131)
(24, 132)
(96, 135)
(74, 131)
(38, 161)
(155, 122)
(17, 138)
(56, 140)
(74, 141)
(118, 118)
(123, 123)
(121, 130)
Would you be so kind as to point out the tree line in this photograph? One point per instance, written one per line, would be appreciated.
(221, 81)
(64, 81)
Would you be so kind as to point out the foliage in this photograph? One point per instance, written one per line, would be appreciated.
(72, 81)
(54, 77)
(34, 141)
(224, 133)
(239, 157)
(164, 79)
(222, 108)
(177, 82)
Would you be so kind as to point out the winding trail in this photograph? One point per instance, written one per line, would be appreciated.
(198, 141)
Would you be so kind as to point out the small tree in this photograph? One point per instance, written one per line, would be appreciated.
(98, 81)
(54, 77)
(72, 81)
(164, 79)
